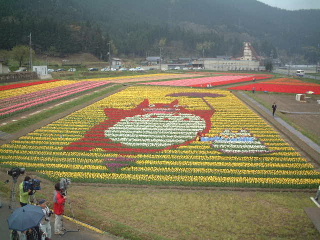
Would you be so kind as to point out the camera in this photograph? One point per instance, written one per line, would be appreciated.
(32, 184)
(64, 183)
(50, 213)
(15, 172)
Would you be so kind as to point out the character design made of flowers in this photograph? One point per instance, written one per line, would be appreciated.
(146, 128)
(241, 142)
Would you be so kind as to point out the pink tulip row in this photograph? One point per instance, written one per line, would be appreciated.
(27, 101)
(207, 81)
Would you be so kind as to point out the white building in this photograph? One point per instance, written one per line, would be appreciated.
(40, 70)
(248, 62)
(3, 68)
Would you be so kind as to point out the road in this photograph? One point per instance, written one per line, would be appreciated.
(293, 73)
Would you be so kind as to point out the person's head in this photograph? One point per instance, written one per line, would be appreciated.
(27, 178)
(42, 203)
(57, 186)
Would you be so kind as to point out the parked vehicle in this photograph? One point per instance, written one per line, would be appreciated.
(50, 70)
(300, 73)
(93, 69)
(22, 69)
(72, 70)
(60, 70)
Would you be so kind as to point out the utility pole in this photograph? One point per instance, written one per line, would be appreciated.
(30, 47)
(109, 55)
(160, 59)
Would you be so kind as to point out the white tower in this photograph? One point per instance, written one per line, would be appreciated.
(249, 54)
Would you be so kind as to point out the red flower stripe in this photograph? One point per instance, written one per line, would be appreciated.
(291, 81)
(283, 88)
(20, 85)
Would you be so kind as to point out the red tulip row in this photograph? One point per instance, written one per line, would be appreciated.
(20, 85)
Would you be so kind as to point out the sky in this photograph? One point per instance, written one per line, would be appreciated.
(293, 4)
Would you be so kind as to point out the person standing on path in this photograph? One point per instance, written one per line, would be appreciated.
(45, 225)
(59, 201)
(274, 108)
(24, 193)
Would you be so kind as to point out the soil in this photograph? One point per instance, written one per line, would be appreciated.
(304, 115)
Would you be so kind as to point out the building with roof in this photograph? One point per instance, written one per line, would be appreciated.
(250, 61)
(3, 67)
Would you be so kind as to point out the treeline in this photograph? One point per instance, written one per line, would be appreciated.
(135, 28)
(55, 28)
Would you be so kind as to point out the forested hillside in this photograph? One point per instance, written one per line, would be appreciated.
(135, 27)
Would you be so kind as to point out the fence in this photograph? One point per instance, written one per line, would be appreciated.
(14, 77)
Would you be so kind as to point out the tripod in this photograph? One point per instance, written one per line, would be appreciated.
(72, 213)
(13, 200)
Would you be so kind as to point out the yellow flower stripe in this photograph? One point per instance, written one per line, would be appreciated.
(177, 178)
(34, 88)
(221, 171)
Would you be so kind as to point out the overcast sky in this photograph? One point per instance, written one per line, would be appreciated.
(293, 4)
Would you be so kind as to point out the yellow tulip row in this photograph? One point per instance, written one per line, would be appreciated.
(34, 88)
(227, 164)
(57, 166)
(202, 156)
(221, 171)
(50, 160)
(177, 178)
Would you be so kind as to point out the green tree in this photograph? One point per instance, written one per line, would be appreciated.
(269, 66)
(21, 54)
(4, 56)
(204, 46)
(162, 42)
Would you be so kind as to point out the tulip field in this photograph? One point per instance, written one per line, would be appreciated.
(21, 99)
(159, 135)
(16, 98)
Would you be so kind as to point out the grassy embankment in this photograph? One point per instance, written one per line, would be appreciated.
(157, 213)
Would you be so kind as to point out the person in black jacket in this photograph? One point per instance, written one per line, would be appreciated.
(274, 108)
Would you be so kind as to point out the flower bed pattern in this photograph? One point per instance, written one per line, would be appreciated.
(12, 105)
(188, 162)
(210, 81)
(284, 85)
